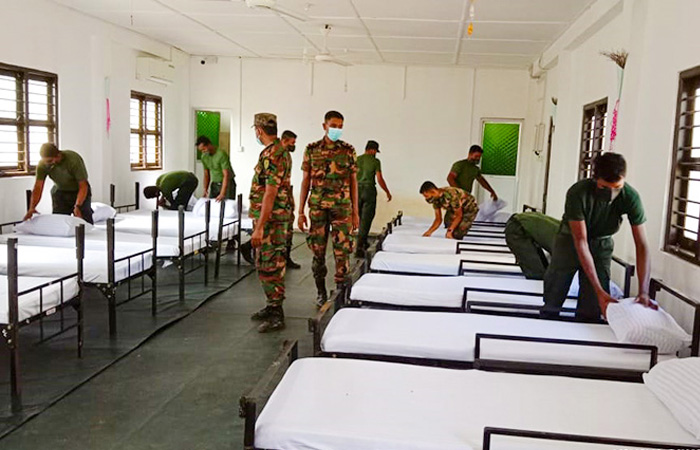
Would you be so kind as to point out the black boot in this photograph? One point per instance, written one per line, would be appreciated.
(246, 250)
(274, 321)
(263, 314)
(291, 264)
(322, 296)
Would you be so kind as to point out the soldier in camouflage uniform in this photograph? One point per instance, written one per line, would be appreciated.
(271, 212)
(330, 174)
(289, 139)
(459, 205)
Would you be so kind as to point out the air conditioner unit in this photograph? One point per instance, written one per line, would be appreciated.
(153, 69)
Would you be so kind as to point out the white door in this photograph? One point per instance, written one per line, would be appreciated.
(500, 139)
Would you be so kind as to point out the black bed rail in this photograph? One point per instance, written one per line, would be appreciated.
(464, 270)
(489, 224)
(491, 432)
(582, 371)
(250, 402)
(656, 286)
(506, 308)
(126, 207)
(200, 246)
(481, 247)
(4, 226)
(629, 274)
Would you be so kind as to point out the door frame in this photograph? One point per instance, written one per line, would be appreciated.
(521, 123)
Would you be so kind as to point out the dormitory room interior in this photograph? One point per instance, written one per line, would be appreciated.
(349, 224)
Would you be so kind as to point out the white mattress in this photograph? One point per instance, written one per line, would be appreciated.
(29, 304)
(343, 404)
(440, 264)
(139, 222)
(446, 292)
(58, 262)
(452, 337)
(403, 243)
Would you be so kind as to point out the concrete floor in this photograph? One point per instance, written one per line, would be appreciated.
(180, 389)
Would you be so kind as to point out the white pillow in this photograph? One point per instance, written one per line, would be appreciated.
(488, 209)
(634, 323)
(52, 225)
(230, 212)
(102, 212)
(676, 383)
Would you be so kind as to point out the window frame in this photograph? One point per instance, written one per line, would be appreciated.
(675, 241)
(592, 112)
(143, 131)
(23, 75)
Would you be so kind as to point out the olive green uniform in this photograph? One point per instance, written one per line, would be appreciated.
(466, 171)
(273, 169)
(181, 181)
(67, 175)
(527, 235)
(451, 199)
(217, 164)
(330, 168)
(602, 218)
(367, 168)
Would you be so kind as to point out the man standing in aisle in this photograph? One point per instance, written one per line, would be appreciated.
(367, 167)
(464, 172)
(460, 209)
(528, 234)
(71, 193)
(271, 212)
(330, 174)
(182, 181)
(289, 140)
(592, 215)
(219, 178)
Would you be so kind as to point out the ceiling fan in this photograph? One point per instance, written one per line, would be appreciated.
(271, 5)
(325, 56)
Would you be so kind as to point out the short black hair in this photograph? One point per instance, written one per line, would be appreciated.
(333, 115)
(372, 145)
(427, 186)
(288, 134)
(270, 130)
(475, 149)
(202, 140)
(610, 167)
(151, 191)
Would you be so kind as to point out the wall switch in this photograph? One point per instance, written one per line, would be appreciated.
(241, 149)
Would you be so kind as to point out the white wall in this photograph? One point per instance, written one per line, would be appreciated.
(662, 42)
(84, 52)
(423, 126)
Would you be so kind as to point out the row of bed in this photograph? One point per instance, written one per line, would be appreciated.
(439, 345)
(41, 275)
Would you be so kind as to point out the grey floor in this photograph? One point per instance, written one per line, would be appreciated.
(180, 389)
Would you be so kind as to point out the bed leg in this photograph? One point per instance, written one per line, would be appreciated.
(16, 384)
(111, 293)
(154, 291)
(80, 324)
(181, 277)
(249, 412)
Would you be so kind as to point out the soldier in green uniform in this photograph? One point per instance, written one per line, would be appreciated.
(219, 179)
(330, 175)
(71, 193)
(289, 140)
(368, 166)
(464, 172)
(459, 205)
(182, 181)
(271, 212)
(593, 214)
(527, 235)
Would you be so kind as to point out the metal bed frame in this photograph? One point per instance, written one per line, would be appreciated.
(10, 330)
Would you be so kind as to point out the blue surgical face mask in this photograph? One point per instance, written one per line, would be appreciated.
(257, 138)
(334, 133)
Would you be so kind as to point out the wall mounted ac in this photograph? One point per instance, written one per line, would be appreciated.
(154, 69)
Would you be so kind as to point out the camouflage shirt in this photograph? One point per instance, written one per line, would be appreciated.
(330, 168)
(452, 198)
(273, 169)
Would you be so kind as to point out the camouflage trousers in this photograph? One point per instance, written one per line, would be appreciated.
(338, 223)
(468, 216)
(290, 231)
(271, 261)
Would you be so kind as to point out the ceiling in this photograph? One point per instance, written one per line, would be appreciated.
(506, 33)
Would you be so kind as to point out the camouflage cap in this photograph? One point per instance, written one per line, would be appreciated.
(265, 120)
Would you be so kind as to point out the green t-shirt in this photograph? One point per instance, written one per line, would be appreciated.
(602, 218)
(466, 172)
(216, 164)
(367, 168)
(67, 174)
(541, 228)
(171, 181)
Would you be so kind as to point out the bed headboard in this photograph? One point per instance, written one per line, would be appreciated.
(679, 310)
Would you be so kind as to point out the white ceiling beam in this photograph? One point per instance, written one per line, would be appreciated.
(460, 32)
(369, 34)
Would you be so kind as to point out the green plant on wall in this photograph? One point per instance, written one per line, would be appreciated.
(500, 145)
(209, 125)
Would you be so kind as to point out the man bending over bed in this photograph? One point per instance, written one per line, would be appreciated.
(459, 205)
(181, 181)
(71, 191)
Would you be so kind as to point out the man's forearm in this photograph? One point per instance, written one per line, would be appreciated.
(382, 184)
(485, 184)
(353, 194)
(304, 193)
(224, 185)
(82, 193)
(457, 219)
(36, 196)
(643, 268)
(452, 180)
(206, 181)
(267, 205)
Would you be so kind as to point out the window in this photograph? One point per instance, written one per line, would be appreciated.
(595, 121)
(28, 117)
(683, 219)
(146, 139)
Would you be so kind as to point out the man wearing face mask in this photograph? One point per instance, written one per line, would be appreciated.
(330, 176)
(71, 191)
(593, 214)
(289, 140)
(464, 172)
